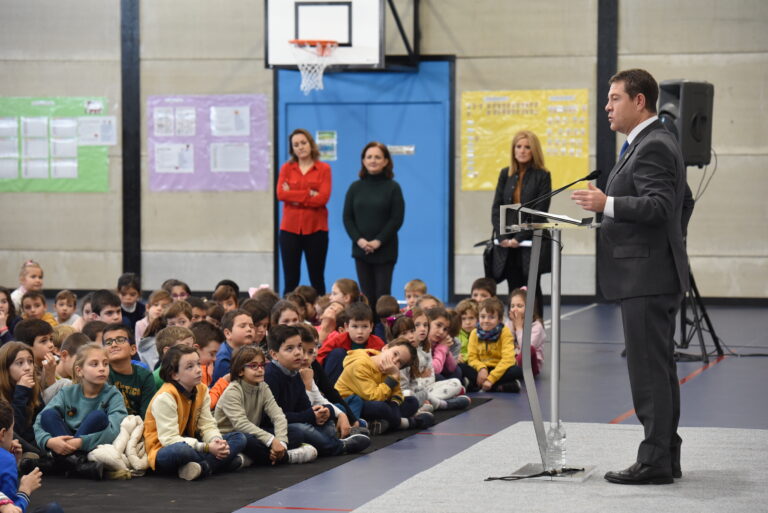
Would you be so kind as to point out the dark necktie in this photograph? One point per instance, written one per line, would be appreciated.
(623, 149)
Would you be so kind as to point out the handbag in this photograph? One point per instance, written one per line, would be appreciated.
(494, 260)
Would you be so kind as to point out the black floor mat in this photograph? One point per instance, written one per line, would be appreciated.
(220, 493)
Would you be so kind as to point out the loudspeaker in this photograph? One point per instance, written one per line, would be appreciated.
(685, 108)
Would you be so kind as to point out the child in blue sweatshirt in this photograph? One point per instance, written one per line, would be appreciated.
(15, 491)
(309, 424)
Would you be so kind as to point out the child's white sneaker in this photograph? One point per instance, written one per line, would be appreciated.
(190, 471)
(303, 454)
(427, 407)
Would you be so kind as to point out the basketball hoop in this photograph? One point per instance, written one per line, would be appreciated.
(312, 57)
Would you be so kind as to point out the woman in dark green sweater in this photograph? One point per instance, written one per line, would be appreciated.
(373, 213)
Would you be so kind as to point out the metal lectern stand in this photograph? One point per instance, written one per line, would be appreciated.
(556, 223)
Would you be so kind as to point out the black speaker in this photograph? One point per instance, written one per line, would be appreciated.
(685, 108)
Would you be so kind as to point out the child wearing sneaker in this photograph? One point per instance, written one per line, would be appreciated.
(180, 434)
(446, 392)
(314, 425)
(371, 382)
(320, 389)
(245, 402)
(416, 378)
(491, 364)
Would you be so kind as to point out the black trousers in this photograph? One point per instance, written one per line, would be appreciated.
(315, 248)
(375, 280)
(649, 328)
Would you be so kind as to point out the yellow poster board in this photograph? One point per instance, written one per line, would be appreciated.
(489, 120)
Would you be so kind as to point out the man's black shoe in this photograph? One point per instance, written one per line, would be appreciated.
(641, 474)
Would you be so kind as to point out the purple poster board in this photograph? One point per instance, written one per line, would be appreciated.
(208, 143)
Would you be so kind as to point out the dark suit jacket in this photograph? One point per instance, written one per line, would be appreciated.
(641, 250)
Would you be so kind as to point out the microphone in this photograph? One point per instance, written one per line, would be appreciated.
(591, 176)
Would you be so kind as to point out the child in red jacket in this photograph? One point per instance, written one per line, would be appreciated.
(357, 335)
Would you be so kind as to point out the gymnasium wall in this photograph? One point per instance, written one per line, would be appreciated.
(72, 48)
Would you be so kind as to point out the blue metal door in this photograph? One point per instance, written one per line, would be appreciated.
(410, 113)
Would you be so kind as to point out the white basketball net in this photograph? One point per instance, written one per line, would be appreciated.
(312, 57)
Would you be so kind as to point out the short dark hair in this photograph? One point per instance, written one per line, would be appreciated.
(119, 326)
(170, 361)
(33, 294)
(308, 293)
(29, 329)
(487, 284)
(205, 333)
(387, 306)
(257, 309)
(308, 333)
(242, 356)
(638, 81)
(74, 342)
(102, 298)
(196, 302)
(93, 328)
(228, 321)
(6, 415)
(129, 281)
(229, 283)
(215, 311)
(359, 312)
(87, 300)
(224, 292)
(279, 334)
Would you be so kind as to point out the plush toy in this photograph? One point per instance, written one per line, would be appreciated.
(125, 457)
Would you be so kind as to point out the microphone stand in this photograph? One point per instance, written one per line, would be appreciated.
(590, 176)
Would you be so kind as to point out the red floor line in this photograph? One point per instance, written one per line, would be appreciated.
(296, 508)
(452, 434)
(624, 416)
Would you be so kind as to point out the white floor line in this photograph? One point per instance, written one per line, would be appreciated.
(548, 322)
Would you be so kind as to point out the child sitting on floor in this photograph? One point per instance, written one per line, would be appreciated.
(243, 405)
(517, 303)
(134, 382)
(370, 383)
(306, 423)
(82, 416)
(180, 434)
(491, 364)
(357, 335)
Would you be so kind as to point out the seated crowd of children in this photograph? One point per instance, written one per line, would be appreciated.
(193, 387)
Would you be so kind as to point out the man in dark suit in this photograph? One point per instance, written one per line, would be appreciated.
(642, 262)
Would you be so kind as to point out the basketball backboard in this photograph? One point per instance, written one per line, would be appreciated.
(357, 26)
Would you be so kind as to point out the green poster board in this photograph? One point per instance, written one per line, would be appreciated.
(56, 144)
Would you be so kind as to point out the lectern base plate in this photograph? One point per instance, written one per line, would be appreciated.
(578, 476)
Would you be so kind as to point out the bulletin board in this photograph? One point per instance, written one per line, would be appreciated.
(208, 143)
(55, 144)
(489, 120)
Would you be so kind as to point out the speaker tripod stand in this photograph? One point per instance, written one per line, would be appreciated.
(699, 317)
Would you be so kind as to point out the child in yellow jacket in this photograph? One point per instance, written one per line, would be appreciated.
(370, 384)
(491, 364)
